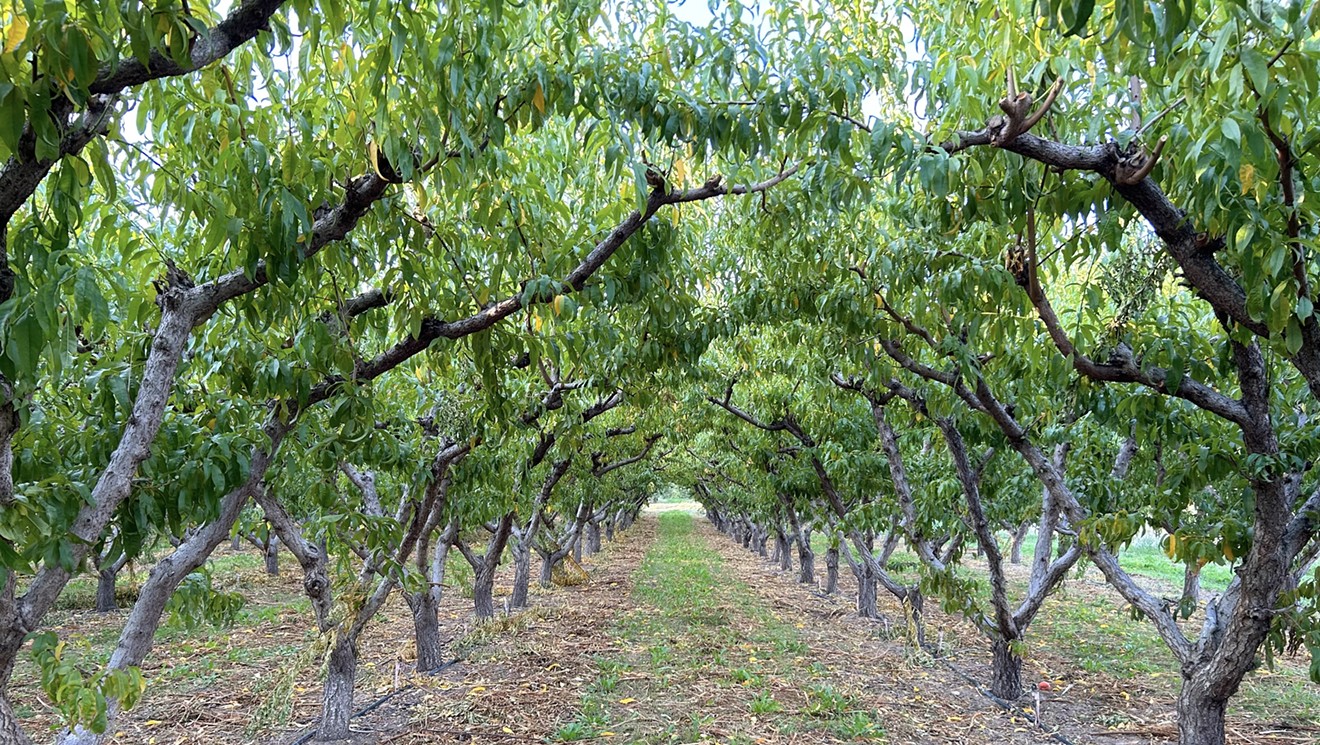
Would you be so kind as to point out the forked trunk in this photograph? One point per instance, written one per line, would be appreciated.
(1006, 676)
(337, 704)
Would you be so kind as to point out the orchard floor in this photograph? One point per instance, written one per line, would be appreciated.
(679, 636)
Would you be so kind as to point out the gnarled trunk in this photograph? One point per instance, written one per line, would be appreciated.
(522, 571)
(337, 701)
(1200, 715)
(866, 607)
(806, 559)
(483, 593)
(783, 551)
(1006, 673)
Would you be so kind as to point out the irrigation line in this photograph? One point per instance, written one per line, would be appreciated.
(381, 701)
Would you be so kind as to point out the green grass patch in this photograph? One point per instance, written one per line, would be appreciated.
(696, 625)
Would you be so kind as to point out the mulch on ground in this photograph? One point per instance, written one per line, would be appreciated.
(921, 700)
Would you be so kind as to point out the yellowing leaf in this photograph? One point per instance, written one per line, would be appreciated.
(558, 303)
(476, 690)
(17, 33)
(538, 99)
(627, 700)
(680, 172)
(1247, 175)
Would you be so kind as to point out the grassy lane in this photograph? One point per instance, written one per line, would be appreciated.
(704, 658)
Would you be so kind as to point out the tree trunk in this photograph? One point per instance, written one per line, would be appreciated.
(593, 538)
(483, 591)
(866, 607)
(236, 542)
(272, 551)
(337, 703)
(832, 570)
(105, 589)
(547, 569)
(1006, 677)
(890, 545)
(425, 605)
(609, 530)
(426, 629)
(1191, 593)
(1200, 716)
(11, 641)
(1015, 549)
(806, 561)
(10, 732)
(522, 572)
(783, 550)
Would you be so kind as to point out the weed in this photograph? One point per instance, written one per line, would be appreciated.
(764, 703)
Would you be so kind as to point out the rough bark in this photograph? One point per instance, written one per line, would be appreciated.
(483, 592)
(107, 575)
(806, 559)
(1006, 675)
(272, 554)
(337, 698)
(425, 603)
(832, 570)
(593, 537)
(522, 570)
(866, 591)
(1200, 716)
(484, 566)
(1190, 599)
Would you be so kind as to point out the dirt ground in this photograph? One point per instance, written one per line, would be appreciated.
(525, 678)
